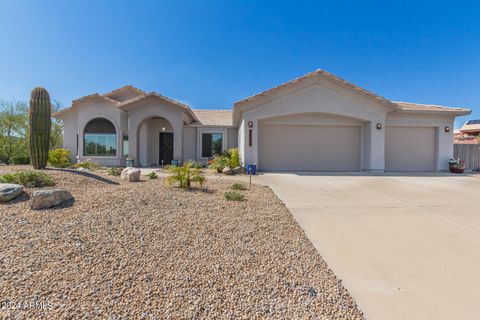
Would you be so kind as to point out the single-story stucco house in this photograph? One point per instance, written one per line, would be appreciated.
(317, 122)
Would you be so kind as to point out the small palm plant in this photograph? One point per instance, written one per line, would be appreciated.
(185, 175)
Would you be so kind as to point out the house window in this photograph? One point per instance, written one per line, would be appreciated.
(211, 144)
(125, 145)
(100, 138)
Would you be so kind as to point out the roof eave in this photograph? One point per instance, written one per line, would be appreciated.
(457, 113)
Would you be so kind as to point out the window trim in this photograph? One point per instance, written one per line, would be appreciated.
(201, 131)
(81, 140)
(100, 134)
(211, 145)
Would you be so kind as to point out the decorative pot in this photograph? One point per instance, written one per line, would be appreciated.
(455, 169)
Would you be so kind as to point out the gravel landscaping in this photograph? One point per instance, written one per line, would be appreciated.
(141, 250)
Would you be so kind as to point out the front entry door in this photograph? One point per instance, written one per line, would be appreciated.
(165, 148)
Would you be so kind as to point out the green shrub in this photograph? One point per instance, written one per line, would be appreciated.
(29, 179)
(87, 165)
(114, 171)
(219, 163)
(197, 165)
(238, 186)
(152, 175)
(185, 175)
(59, 158)
(234, 196)
(21, 160)
(229, 159)
(234, 155)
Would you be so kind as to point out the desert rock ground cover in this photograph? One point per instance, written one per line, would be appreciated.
(146, 251)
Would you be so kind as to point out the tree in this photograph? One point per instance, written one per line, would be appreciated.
(56, 135)
(13, 130)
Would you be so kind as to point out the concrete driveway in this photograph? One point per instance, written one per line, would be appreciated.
(406, 246)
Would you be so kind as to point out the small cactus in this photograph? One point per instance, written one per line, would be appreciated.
(40, 122)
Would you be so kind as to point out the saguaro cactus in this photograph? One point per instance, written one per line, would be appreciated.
(40, 123)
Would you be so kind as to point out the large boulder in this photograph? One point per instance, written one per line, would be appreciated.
(239, 170)
(227, 171)
(130, 174)
(43, 199)
(9, 191)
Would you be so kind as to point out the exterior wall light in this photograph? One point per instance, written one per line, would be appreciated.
(379, 126)
(447, 129)
(250, 124)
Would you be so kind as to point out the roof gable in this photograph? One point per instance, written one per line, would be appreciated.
(124, 93)
(317, 73)
(262, 97)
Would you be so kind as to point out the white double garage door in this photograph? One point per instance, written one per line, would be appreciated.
(338, 148)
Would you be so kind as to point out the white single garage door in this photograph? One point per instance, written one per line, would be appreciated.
(309, 147)
(409, 149)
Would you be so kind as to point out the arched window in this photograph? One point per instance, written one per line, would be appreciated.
(99, 138)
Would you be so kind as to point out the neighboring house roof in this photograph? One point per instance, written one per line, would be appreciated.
(458, 138)
(214, 117)
(471, 125)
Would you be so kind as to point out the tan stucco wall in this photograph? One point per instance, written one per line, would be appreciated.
(149, 140)
(325, 99)
(75, 122)
(232, 138)
(145, 110)
(189, 143)
(142, 123)
(70, 135)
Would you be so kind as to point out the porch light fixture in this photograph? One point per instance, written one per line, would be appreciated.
(250, 124)
(379, 126)
(447, 129)
(163, 129)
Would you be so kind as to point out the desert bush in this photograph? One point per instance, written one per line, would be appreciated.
(114, 171)
(59, 158)
(29, 179)
(219, 163)
(229, 159)
(21, 160)
(87, 165)
(234, 156)
(197, 165)
(184, 176)
(234, 196)
(238, 186)
(152, 175)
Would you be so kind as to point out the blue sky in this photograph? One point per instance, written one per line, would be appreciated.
(210, 54)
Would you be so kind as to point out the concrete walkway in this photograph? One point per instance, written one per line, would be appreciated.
(406, 246)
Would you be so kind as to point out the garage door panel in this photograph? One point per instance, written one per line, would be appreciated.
(410, 149)
(309, 147)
